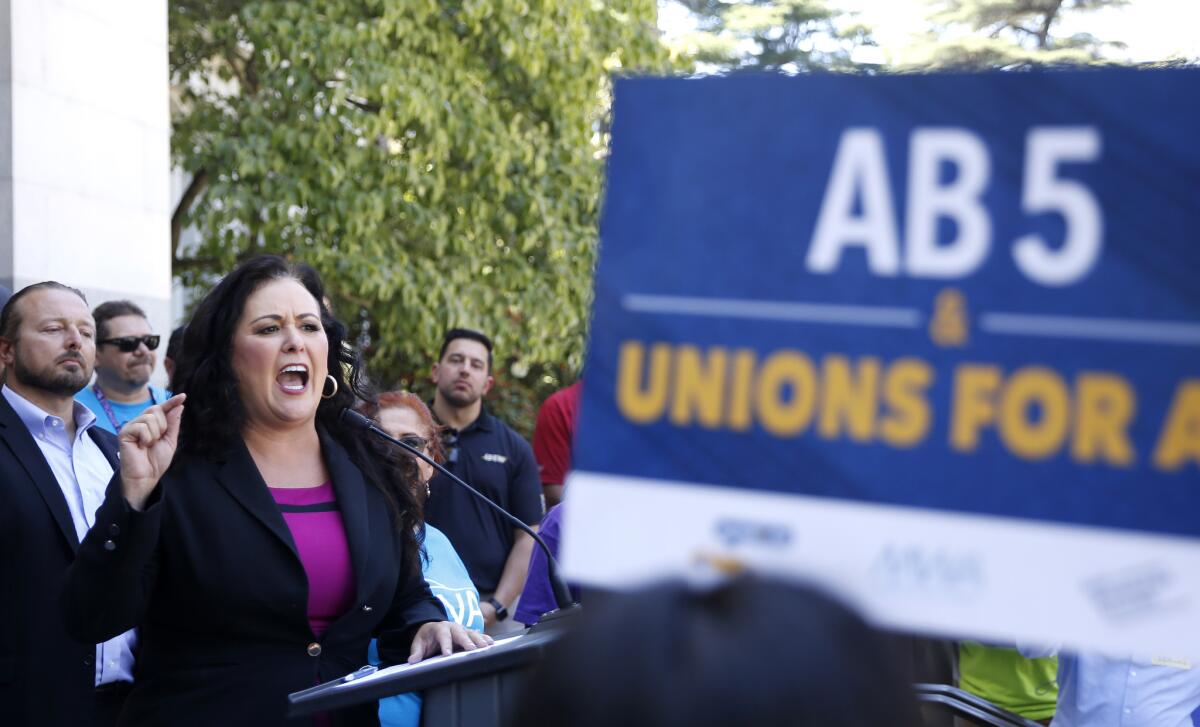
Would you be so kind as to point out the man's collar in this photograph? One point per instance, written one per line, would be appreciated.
(482, 422)
(34, 417)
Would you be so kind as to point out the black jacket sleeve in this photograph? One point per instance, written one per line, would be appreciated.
(412, 606)
(109, 583)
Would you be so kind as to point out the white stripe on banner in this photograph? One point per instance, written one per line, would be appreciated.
(857, 315)
(993, 578)
(1120, 330)
(1123, 330)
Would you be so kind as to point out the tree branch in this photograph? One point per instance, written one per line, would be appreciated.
(231, 57)
(363, 105)
(1015, 28)
(251, 73)
(1043, 35)
(198, 184)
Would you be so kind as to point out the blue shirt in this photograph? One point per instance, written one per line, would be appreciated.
(83, 473)
(451, 584)
(1095, 689)
(123, 412)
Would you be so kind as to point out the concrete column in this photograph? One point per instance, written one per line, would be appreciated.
(85, 150)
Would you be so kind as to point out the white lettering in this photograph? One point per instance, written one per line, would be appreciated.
(859, 178)
(473, 605)
(454, 614)
(928, 201)
(859, 170)
(1045, 148)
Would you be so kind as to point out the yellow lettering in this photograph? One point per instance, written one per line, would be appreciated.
(1179, 442)
(1104, 405)
(784, 418)
(908, 417)
(638, 404)
(973, 407)
(848, 397)
(1023, 436)
(699, 387)
(740, 388)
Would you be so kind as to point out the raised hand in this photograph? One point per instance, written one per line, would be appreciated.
(147, 447)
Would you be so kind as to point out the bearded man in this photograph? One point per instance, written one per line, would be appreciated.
(55, 465)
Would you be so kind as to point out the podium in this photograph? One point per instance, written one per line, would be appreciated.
(477, 688)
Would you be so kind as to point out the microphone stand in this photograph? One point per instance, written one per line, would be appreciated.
(562, 594)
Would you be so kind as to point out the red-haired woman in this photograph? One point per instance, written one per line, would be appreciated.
(404, 416)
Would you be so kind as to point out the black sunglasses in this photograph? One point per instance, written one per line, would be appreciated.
(417, 443)
(129, 344)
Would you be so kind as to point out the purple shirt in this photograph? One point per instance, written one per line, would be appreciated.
(538, 596)
(312, 514)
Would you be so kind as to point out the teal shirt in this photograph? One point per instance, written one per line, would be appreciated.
(123, 412)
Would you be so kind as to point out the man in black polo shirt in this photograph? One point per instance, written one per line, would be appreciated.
(493, 459)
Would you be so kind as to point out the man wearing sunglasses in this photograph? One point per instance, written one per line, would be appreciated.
(125, 358)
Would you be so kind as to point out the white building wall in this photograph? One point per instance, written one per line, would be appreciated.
(85, 149)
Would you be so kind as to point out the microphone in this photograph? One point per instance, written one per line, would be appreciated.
(562, 594)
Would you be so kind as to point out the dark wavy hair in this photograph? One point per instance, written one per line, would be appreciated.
(214, 416)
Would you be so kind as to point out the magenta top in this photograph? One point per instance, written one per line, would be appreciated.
(312, 514)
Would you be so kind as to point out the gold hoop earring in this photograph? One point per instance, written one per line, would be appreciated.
(330, 395)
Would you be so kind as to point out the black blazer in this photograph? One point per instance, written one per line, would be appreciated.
(46, 677)
(210, 574)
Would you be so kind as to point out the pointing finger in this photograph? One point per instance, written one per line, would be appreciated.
(172, 403)
(174, 416)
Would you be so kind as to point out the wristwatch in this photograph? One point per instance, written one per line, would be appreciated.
(501, 609)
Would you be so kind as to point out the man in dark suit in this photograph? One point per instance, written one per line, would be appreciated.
(55, 465)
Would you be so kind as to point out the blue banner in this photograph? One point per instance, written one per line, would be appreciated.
(966, 293)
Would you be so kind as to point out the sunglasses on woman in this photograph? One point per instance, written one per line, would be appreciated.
(417, 443)
(129, 344)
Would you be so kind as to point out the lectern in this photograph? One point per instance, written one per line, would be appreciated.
(469, 688)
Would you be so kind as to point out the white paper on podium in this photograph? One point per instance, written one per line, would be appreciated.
(432, 661)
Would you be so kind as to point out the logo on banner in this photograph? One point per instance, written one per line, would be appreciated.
(916, 567)
(1135, 592)
(734, 532)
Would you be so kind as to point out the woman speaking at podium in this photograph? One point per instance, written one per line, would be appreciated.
(255, 544)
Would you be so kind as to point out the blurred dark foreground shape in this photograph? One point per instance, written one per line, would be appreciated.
(746, 651)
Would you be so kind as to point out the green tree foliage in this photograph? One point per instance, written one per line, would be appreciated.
(438, 161)
(772, 35)
(1010, 33)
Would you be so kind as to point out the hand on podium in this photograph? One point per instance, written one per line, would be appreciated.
(440, 637)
